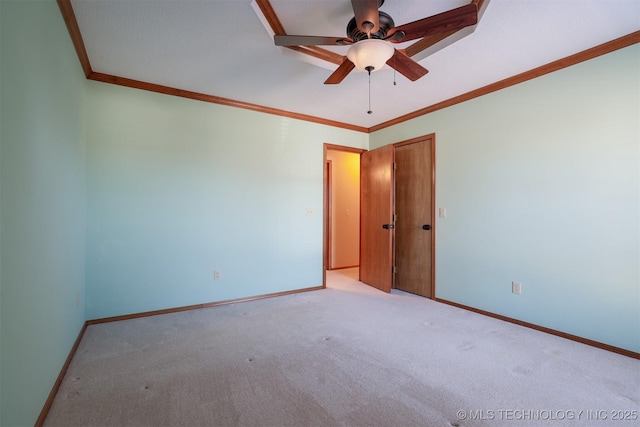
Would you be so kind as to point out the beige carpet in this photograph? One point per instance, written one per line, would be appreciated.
(347, 355)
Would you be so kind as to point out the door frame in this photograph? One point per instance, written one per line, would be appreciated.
(328, 189)
(429, 137)
(326, 217)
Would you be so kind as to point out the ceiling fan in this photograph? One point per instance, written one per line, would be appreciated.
(370, 33)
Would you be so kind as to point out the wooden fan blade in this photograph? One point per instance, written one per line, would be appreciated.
(286, 40)
(452, 20)
(366, 11)
(406, 66)
(341, 72)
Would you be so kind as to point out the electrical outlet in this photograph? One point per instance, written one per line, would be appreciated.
(516, 288)
(442, 212)
(217, 275)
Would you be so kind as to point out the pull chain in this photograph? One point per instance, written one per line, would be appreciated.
(369, 71)
(394, 70)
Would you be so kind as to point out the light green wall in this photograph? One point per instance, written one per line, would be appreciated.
(135, 198)
(541, 185)
(178, 189)
(42, 200)
(175, 189)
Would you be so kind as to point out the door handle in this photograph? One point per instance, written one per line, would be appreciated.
(388, 226)
(426, 227)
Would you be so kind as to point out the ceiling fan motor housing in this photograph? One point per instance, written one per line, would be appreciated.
(385, 24)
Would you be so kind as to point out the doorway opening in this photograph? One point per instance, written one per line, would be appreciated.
(395, 225)
(341, 208)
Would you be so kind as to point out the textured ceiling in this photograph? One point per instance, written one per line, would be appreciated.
(223, 48)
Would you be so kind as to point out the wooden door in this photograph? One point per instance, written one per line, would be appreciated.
(376, 212)
(414, 217)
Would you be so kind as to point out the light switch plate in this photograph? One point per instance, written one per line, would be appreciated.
(516, 288)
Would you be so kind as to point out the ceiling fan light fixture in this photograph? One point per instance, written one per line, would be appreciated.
(370, 54)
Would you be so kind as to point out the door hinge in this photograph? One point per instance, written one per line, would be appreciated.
(394, 270)
(394, 166)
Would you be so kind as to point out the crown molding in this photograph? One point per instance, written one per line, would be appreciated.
(74, 31)
(568, 61)
(167, 90)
